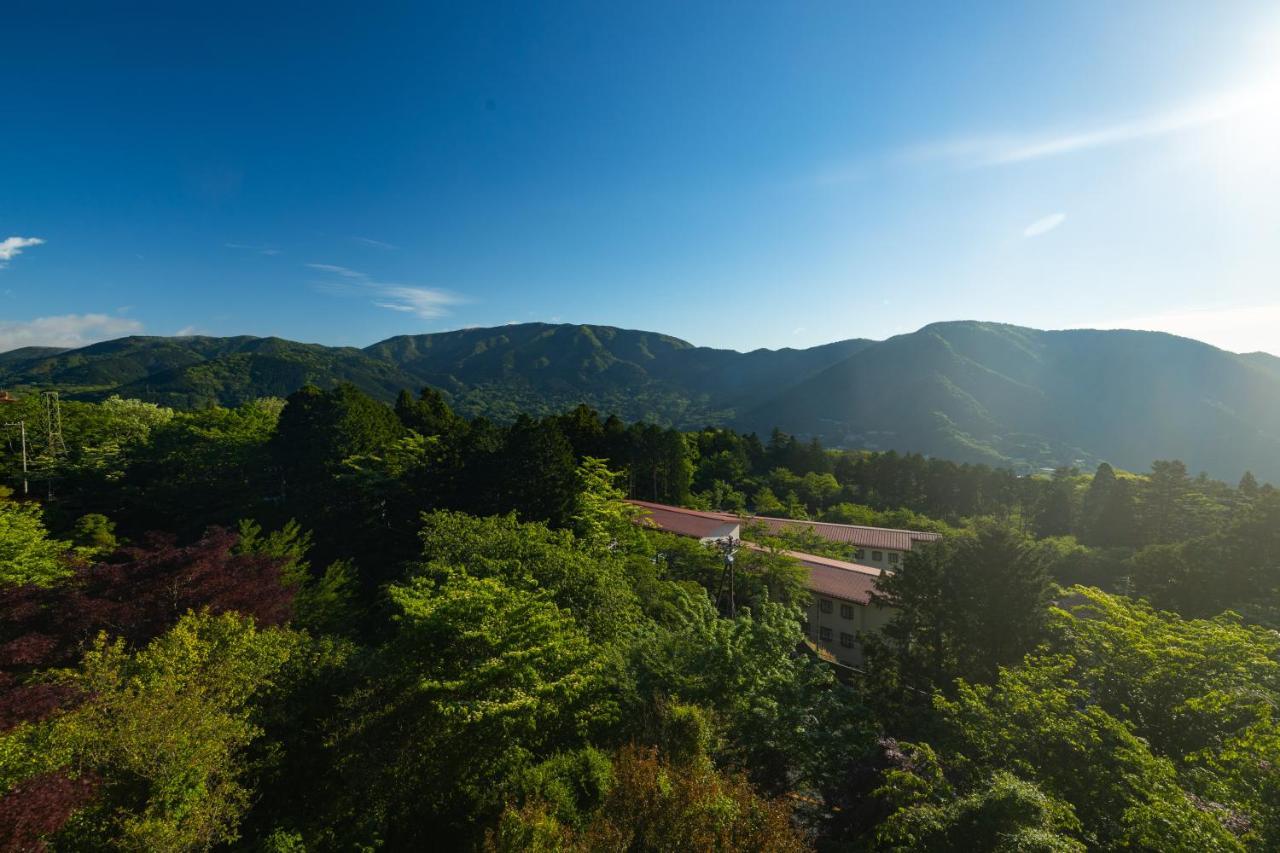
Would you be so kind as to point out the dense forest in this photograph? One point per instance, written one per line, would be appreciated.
(329, 623)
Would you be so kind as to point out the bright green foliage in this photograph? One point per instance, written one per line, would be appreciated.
(289, 545)
(1202, 692)
(578, 578)
(1007, 815)
(781, 715)
(1038, 723)
(603, 519)
(27, 554)
(482, 679)
(759, 575)
(656, 805)
(95, 534)
(569, 784)
(165, 729)
(324, 603)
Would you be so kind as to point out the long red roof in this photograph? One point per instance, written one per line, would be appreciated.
(827, 576)
(852, 534)
(836, 578)
(684, 522)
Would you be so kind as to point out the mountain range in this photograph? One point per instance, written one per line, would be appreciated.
(969, 391)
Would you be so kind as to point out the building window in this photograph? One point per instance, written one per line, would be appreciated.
(877, 556)
(893, 556)
(825, 634)
(860, 554)
(846, 640)
(824, 605)
(846, 611)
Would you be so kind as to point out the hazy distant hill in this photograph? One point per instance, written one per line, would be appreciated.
(996, 392)
(965, 390)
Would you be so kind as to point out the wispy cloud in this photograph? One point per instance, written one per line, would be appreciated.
(11, 247)
(425, 302)
(377, 244)
(66, 330)
(1008, 149)
(189, 331)
(261, 250)
(1044, 225)
(345, 272)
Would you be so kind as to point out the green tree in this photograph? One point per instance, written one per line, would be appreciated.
(965, 607)
(163, 731)
(655, 805)
(1004, 815)
(27, 554)
(1055, 511)
(428, 415)
(1039, 724)
(481, 680)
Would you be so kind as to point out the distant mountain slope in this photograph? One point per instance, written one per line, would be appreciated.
(198, 370)
(541, 367)
(497, 372)
(991, 392)
(14, 357)
(963, 390)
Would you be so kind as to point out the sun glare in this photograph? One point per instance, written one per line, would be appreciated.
(1248, 138)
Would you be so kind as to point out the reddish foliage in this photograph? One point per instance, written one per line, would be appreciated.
(39, 806)
(30, 703)
(136, 595)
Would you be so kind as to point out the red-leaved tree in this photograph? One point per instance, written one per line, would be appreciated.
(136, 595)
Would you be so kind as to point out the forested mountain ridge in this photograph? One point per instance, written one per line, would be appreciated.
(972, 391)
(998, 393)
(499, 372)
(543, 368)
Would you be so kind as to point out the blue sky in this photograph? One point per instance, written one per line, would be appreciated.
(737, 174)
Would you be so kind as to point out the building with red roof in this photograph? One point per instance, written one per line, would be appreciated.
(841, 606)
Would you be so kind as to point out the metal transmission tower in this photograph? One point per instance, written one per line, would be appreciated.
(728, 547)
(53, 423)
(55, 447)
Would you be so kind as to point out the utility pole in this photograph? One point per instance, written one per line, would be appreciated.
(22, 430)
(728, 547)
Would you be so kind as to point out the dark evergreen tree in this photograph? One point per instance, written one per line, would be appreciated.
(428, 415)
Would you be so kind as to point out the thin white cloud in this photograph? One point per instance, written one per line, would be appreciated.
(345, 272)
(261, 250)
(1249, 328)
(66, 330)
(11, 247)
(377, 244)
(1008, 149)
(189, 331)
(1044, 225)
(425, 302)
